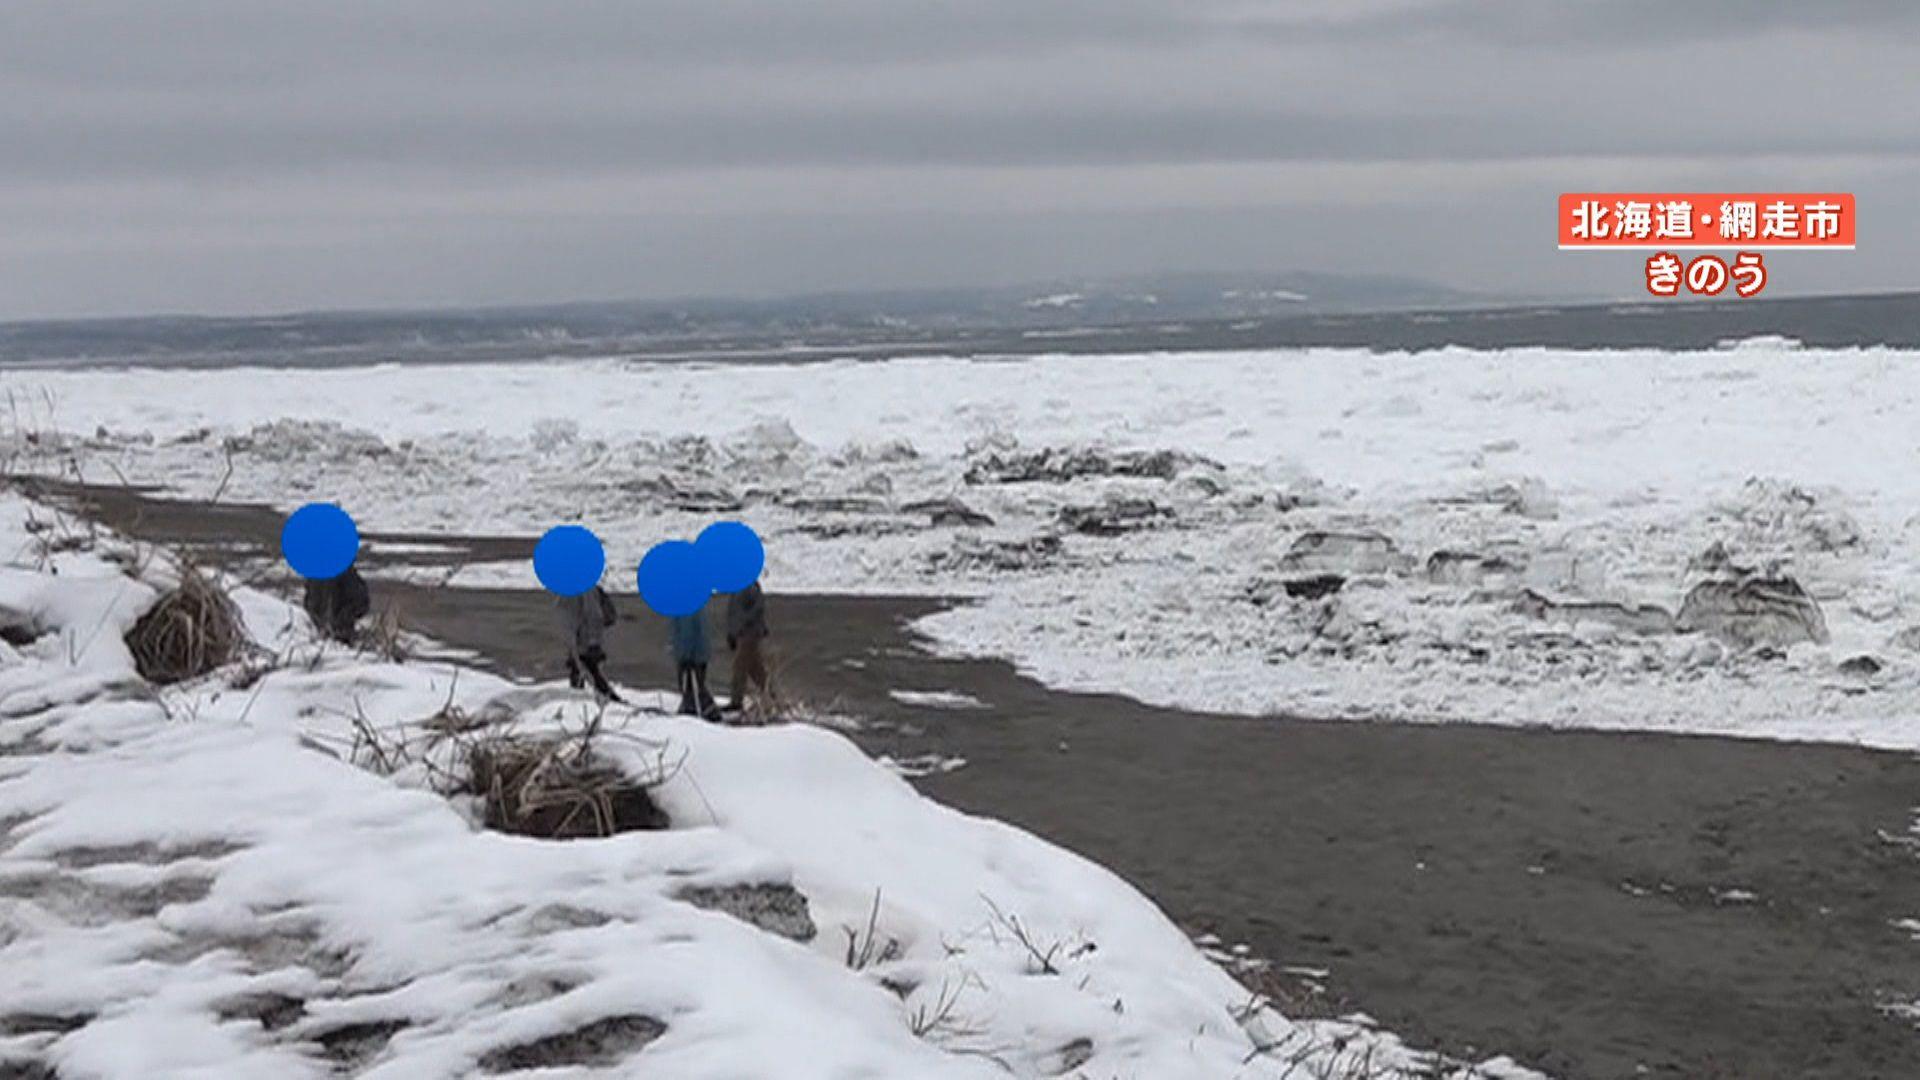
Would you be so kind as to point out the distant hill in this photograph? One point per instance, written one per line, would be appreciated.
(1169, 313)
(650, 325)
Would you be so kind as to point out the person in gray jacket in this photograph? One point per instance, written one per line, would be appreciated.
(746, 635)
(584, 619)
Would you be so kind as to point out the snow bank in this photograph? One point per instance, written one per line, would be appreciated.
(1135, 523)
(199, 882)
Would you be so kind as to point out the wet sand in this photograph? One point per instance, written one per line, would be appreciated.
(1595, 905)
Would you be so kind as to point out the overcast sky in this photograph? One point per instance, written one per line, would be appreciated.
(256, 155)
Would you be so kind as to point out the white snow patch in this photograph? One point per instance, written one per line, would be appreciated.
(919, 765)
(1056, 300)
(937, 699)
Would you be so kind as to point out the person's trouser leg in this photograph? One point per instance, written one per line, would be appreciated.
(708, 707)
(757, 671)
(592, 662)
(689, 702)
(574, 678)
(737, 679)
(749, 669)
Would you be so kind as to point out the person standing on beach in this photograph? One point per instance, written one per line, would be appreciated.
(687, 635)
(746, 631)
(584, 618)
(337, 604)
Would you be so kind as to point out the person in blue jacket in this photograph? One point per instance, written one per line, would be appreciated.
(687, 635)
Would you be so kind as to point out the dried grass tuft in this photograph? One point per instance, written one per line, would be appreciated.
(556, 788)
(553, 783)
(190, 631)
(385, 637)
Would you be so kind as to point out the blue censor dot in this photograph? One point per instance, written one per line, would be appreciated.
(569, 560)
(319, 541)
(733, 555)
(673, 579)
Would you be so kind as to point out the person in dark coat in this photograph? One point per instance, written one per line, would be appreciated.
(584, 619)
(746, 633)
(336, 604)
(687, 634)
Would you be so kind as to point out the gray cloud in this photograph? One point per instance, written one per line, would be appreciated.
(1630, 24)
(992, 139)
(869, 135)
(190, 42)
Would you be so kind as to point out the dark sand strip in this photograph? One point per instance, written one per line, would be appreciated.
(1558, 896)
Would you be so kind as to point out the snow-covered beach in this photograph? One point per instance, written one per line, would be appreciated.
(1326, 540)
(1523, 538)
(217, 878)
(1514, 537)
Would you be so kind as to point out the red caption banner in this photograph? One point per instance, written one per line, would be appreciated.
(1614, 220)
